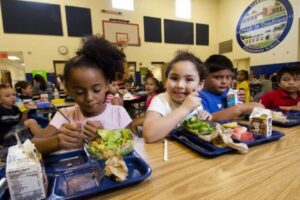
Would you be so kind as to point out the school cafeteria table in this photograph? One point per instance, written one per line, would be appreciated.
(268, 171)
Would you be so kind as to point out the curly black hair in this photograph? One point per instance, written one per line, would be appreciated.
(187, 56)
(97, 53)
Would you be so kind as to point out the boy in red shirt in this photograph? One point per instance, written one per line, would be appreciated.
(288, 92)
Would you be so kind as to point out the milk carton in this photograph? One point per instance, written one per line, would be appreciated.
(261, 121)
(25, 173)
(232, 98)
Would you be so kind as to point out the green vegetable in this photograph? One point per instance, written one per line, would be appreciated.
(198, 126)
(111, 142)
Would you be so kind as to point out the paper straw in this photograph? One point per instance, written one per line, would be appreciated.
(165, 150)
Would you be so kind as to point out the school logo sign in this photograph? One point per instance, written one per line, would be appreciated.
(264, 24)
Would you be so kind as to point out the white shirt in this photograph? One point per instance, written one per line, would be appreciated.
(164, 105)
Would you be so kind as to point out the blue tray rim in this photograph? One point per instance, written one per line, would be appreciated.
(218, 151)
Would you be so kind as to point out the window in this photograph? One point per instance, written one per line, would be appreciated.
(183, 9)
(123, 4)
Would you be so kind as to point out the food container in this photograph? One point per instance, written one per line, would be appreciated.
(80, 180)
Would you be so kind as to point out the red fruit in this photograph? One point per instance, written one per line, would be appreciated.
(240, 129)
(246, 137)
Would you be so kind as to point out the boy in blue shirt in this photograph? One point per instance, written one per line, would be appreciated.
(217, 86)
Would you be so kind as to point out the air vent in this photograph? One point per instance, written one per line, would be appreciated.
(225, 47)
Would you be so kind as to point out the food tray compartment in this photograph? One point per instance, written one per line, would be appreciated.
(60, 162)
(80, 180)
(209, 150)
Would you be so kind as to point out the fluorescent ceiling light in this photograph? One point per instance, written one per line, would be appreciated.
(13, 58)
(183, 9)
(123, 4)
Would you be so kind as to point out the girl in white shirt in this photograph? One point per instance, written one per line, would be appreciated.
(185, 75)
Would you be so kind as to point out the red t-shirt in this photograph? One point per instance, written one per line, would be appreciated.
(279, 97)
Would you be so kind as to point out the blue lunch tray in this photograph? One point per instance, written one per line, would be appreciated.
(293, 117)
(292, 121)
(62, 179)
(209, 150)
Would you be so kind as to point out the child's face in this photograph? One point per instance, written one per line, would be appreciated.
(27, 91)
(88, 87)
(150, 86)
(290, 84)
(113, 87)
(240, 76)
(182, 80)
(7, 97)
(218, 82)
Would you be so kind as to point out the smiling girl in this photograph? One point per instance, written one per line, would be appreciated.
(180, 101)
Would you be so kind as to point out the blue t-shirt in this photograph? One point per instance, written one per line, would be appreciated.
(213, 102)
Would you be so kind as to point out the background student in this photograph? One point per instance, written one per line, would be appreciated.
(87, 76)
(217, 85)
(24, 90)
(242, 84)
(153, 87)
(288, 93)
(185, 75)
(10, 115)
(113, 96)
(41, 86)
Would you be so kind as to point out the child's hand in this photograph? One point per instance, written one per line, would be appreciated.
(204, 115)
(29, 105)
(90, 130)
(70, 136)
(191, 102)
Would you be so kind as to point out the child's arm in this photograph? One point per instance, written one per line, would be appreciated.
(28, 106)
(46, 145)
(235, 111)
(24, 115)
(156, 127)
(135, 123)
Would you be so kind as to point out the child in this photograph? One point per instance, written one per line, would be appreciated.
(180, 101)
(152, 86)
(87, 76)
(10, 115)
(24, 90)
(242, 79)
(41, 86)
(112, 95)
(287, 94)
(217, 85)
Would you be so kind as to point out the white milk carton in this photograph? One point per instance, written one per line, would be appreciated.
(25, 173)
(232, 98)
(261, 121)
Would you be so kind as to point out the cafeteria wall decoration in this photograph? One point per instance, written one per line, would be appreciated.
(264, 24)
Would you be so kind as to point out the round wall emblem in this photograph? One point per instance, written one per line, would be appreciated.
(264, 24)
